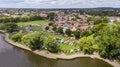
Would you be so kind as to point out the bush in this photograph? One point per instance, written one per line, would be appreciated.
(50, 24)
(51, 16)
(54, 28)
(17, 37)
(86, 44)
(34, 41)
(68, 32)
(47, 28)
(76, 34)
(10, 27)
(52, 45)
(60, 30)
(1, 27)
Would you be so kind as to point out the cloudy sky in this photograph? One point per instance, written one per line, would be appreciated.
(58, 3)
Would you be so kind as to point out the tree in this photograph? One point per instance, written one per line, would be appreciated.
(60, 30)
(34, 41)
(11, 27)
(97, 21)
(86, 44)
(51, 16)
(47, 28)
(76, 34)
(68, 32)
(86, 33)
(105, 20)
(52, 45)
(99, 26)
(50, 24)
(92, 18)
(108, 40)
(16, 37)
(54, 28)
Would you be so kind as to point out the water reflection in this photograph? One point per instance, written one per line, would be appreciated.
(78, 62)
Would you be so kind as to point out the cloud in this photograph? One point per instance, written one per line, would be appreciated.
(59, 3)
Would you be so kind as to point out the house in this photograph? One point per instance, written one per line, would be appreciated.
(84, 28)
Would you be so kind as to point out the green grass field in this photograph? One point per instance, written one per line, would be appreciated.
(33, 22)
(68, 47)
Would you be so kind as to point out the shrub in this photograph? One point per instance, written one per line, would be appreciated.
(10, 27)
(34, 41)
(52, 45)
(60, 30)
(17, 37)
(54, 28)
(68, 32)
(76, 34)
(47, 28)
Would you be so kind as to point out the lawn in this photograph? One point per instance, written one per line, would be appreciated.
(33, 22)
(68, 47)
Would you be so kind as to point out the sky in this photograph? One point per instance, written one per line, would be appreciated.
(59, 3)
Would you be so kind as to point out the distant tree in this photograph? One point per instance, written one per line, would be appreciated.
(97, 21)
(90, 18)
(50, 24)
(54, 28)
(99, 26)
(86, 33)
(51, 16)
(76, 34)
(47, 28)
(105, 20)
(68, 32)
(11, 27)
(60, 30)
(52, 45)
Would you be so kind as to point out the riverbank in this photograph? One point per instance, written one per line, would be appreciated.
(56, 56)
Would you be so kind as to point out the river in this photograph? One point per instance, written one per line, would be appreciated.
(11, 56)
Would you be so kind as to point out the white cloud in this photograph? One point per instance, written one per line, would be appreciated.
(59, 3)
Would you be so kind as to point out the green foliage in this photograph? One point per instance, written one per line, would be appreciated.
(90, 18)
(20, 19)
(16, 37)
(52, 45)
(86, 44)
(51, 16)
(99, 26)
(108, 40)
(60, 30)
(101, 20)
(102, 12)
(86, 33)
(34, 40)
(76, 34)
(47, 28)
(1, 26)
(68, 32)
(97, 21)
(50, 24)
(74, 19)
(11, 27)
(54, 28)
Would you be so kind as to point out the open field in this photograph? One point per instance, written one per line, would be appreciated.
(33, 22)
(68, 47)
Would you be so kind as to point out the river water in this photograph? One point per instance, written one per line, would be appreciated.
(11, 56)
